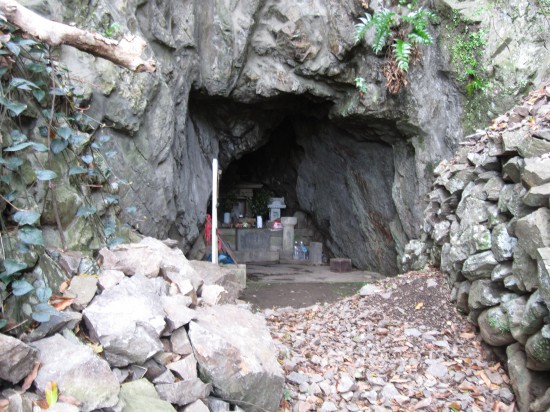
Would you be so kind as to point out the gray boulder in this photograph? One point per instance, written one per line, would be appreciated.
(16, 359)
(231, 277)
(184, 392)
(513, 167)
(78, 371)
(533, 231)
(494, 327)
(533, 147)
(502, 244)
(501, 271)
(493, 187)
(479, 266)
(511, 139)
(109, 278)
(471, 211)
(510, 201)
(180, 342)
(214, 295)
(459, 181)
(528, 385)
(185, 368)
(127, 320)
(83, 289)
(537, 196)
(543, 263)
(525, 269)
(536, 171)
(57, 323)
(462, 296)
(132, 258)
(140, 396)
(177, 311)
(485, 293)
(197, 406)
(537, 349)
(236, 354)
(515, 310)
(533, 316)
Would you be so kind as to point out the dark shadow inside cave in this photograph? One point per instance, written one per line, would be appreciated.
(338, 176)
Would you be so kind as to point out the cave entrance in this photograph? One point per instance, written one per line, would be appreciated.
(342, 179)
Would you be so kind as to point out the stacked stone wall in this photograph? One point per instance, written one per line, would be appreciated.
(487, 226)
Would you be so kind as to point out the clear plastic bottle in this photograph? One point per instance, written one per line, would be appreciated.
(296, 252)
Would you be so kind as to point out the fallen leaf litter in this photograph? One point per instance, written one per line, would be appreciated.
(403, 348)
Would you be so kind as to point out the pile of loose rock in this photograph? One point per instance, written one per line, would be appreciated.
(150, 331)
(488, 227)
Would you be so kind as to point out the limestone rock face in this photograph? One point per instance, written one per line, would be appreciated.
(235, 353)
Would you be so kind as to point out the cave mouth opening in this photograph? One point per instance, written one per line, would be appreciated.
(336, 176)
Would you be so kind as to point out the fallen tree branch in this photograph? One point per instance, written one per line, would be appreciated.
(125, 52)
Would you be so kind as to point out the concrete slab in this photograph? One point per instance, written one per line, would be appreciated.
(300, 273)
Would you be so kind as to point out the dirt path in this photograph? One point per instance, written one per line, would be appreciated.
(402, 347)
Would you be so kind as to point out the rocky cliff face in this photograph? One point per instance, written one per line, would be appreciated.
(234, 73)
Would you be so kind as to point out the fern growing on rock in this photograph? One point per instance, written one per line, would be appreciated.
(403, 32)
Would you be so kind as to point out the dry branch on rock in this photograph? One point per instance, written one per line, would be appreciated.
(125, 52)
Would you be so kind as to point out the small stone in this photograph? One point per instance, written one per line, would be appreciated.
(346, 383)
(437, 370)
(412, 332)
(371, 396)
(506, 395)
(110, 278)
(369, 290)
(328, 407)
(297, 378)
(83, 288)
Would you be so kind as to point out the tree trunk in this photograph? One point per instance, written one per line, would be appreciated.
(125, 52)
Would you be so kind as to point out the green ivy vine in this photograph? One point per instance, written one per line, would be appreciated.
(46, 139)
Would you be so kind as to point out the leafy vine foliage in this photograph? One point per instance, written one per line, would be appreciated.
(47, 141)
(404, 32)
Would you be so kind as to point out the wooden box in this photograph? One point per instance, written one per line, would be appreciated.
(340, 265)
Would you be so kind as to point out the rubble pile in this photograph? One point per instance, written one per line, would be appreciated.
(150, 331)
(487, 227)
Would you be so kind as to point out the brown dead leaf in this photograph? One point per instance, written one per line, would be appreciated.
(495, 367)
(61, 303)
(69, 399)
(419, 305)
(423, 403)
(485, 378)
(31, 377)
(466, 335)
(468, 388)
(64, 286)
(455, 406)
(42, 403)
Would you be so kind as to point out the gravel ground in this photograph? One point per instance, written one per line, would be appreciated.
(400, 347)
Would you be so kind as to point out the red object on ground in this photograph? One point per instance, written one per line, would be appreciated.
(208, 233)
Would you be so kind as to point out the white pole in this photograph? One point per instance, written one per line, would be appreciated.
(215, 211)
